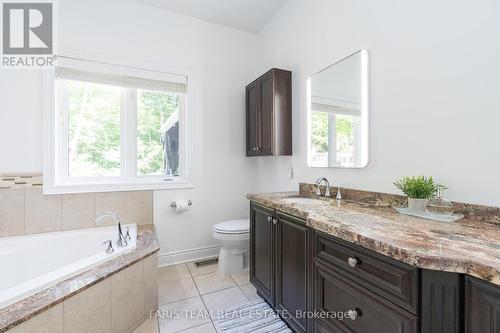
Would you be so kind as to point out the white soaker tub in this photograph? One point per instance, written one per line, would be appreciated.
(35, 262)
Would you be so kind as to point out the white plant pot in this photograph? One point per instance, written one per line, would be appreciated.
(417, 204)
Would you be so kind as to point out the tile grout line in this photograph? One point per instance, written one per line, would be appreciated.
(189, 328)
(202, 300)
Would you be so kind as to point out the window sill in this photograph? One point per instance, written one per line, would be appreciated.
(116, 187)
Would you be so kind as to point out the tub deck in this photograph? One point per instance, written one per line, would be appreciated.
(15, 314)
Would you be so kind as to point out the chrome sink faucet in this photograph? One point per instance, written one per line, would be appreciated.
(121, 241)
(327, 185)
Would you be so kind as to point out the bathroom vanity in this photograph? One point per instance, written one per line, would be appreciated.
(380, 271)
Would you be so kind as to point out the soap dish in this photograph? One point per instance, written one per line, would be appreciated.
(429, 216)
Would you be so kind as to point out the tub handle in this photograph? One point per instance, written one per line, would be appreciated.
(109, 249)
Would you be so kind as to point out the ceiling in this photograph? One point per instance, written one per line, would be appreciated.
(248, 15)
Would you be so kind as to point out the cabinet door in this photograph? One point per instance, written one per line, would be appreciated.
(262, 252)
(482, 306)
(265, 113)
(291, 270)
(252, 119)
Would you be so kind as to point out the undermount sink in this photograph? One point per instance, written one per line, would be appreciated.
(304, 201)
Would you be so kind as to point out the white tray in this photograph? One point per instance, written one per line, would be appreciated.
(429, 216)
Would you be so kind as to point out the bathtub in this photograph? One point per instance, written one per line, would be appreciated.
(35, 262)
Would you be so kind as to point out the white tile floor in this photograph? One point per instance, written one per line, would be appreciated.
(185, 292)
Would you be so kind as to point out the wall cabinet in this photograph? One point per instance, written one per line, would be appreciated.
(299, 270)
(268, 102)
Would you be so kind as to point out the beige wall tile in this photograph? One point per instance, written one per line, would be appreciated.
(90, 310)
(127, 298)
(78, 211)
(11, 212)
(151, 284)
(115, 202)
(49, 321)
(140, 207)
(43, 212)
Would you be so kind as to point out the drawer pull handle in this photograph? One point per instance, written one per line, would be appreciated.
(352, 314)
(353, 262)
(269, 219)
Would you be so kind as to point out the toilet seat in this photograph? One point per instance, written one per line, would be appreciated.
(233, 227)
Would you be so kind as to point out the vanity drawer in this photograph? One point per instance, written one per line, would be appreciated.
(394, 280)
(336, 294)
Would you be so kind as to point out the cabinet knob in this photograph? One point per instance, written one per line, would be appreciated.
(269, 219)
(352, 314)
(353, 262)
(275, 221)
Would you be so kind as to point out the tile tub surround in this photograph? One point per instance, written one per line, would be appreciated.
(126, 301)
(467, 246)
(25, 210)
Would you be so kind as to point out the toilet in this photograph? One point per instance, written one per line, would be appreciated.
(233, 237)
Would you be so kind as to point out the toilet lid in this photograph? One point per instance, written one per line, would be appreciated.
(233, 227)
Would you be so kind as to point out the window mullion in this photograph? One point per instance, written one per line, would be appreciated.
(63, 124)
(129, 134)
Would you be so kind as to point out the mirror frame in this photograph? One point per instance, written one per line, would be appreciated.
(365, 108)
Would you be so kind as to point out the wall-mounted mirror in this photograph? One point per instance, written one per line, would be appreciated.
(338, 114)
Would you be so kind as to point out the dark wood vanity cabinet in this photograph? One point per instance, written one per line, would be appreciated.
(279, 261)
(292, 266)
(482, 306)
(262, 252)
(298, 270)
(354, 308)
(269, 114)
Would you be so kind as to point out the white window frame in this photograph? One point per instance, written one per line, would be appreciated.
(55, 178)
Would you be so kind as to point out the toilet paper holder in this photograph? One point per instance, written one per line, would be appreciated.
(174, 205)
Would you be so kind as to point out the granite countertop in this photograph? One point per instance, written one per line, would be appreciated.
(468, 246)
(12, 315)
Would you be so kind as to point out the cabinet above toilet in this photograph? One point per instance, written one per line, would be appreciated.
(269, 114)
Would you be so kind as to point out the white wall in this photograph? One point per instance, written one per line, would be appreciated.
(222, 62)
(435, 85)
(435, 96)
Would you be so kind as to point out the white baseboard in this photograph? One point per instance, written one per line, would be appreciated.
(178, 257)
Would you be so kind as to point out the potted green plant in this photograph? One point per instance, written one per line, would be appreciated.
(418, 189)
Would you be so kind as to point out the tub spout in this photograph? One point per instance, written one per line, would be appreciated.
(121, 241)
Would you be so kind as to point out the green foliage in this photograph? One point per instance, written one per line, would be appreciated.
(154, 108)
(94, 129)
(319, 131)
(417, 187)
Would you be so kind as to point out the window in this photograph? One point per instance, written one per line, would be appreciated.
(335, 137)
(116, 128)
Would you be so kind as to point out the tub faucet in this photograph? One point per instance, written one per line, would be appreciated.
(121, 241)
(327, 185)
